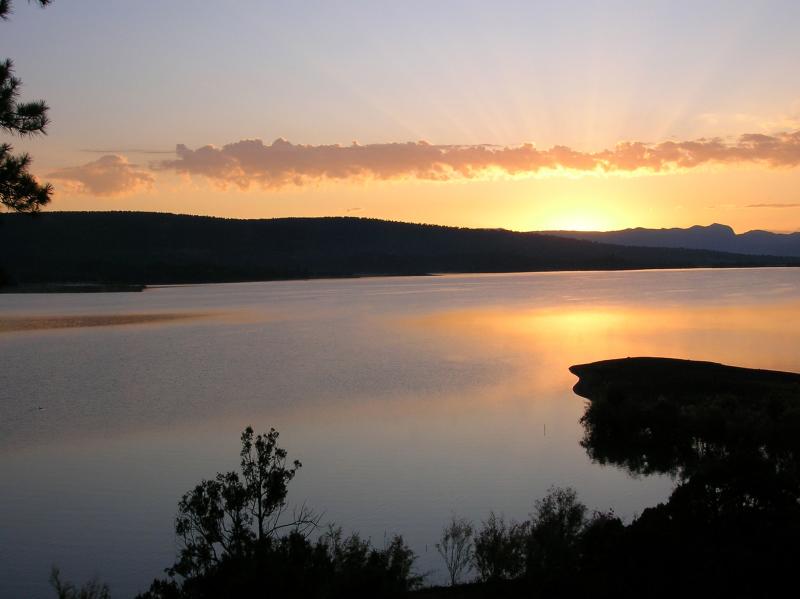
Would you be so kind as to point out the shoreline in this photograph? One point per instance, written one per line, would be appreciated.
(73, 288)
(139, 287)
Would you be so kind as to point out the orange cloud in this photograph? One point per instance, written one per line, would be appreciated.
(108, 175)
(251, 162)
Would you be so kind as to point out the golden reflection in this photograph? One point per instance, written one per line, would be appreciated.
(758, 336)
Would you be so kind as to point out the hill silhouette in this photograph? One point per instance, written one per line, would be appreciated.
(716, 237)
(157, 248)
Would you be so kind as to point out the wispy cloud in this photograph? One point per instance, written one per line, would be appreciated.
(728, 121)
(281, 163)
(773, 205)
(108, 175)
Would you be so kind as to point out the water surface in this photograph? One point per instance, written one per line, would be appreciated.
(405, 399)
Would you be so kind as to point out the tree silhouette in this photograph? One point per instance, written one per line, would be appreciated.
(456, 548)
(500, 549)
(230, 515)
(93, 589)
(19, 189)
(265, 478)
(236, 544)
(555, 532)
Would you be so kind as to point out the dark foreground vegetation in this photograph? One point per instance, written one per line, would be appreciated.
(236, 540)
(150, 248)
(731, 437)
(730, 528)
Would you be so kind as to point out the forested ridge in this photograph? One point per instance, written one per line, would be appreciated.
(158, 248)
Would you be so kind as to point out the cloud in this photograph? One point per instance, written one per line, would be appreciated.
(251, 162)
(773, 206)
(108, 175)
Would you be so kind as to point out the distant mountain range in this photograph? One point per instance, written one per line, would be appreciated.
(153, 248)
(716, 237)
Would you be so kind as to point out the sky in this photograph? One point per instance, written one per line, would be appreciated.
(522, 115)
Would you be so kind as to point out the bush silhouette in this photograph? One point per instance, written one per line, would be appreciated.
(236, 541)
(556, 526)
(500, 549)
(93, 589)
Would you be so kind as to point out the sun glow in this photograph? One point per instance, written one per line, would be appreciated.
(579, 220)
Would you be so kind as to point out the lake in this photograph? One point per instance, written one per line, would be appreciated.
(406, 399)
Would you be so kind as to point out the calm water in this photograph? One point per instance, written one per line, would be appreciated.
(406, 399)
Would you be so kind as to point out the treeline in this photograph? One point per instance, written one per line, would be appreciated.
(561, 550)
(154, 248)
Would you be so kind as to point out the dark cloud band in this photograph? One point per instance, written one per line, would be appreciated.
(282, 163)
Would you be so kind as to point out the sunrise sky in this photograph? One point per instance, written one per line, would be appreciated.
(523, 115)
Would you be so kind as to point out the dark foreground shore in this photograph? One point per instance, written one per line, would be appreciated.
(670, 377)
